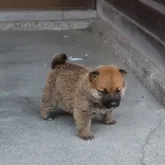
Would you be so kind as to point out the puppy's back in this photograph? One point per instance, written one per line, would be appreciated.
(66, 74)
(65, 78)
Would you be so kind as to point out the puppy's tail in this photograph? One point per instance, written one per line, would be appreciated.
(58, 59)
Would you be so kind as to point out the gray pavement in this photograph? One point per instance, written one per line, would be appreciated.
(138, 138)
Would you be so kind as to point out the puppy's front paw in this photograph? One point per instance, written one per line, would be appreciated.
(47, 117)
(50, 119)
(86, 136)
(112, 122)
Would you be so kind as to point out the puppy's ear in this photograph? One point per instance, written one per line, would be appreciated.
(93, 75)
(123, 72)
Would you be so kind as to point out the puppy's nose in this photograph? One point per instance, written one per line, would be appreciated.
(113, 103)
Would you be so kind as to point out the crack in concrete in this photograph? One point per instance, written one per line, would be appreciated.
(147, 140)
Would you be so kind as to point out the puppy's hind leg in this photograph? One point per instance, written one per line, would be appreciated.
(46, 105)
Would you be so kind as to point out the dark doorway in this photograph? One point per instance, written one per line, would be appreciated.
(148, 13)
(46, 4)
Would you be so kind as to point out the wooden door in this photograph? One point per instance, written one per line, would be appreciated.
(148, 13)
(45, 4)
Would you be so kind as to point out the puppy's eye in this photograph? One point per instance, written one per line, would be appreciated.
(103, 92)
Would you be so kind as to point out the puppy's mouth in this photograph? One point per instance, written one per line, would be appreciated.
(113, 104)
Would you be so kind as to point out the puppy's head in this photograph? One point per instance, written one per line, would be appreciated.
(107, 85)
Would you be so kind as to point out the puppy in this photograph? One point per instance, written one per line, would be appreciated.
(83, 92)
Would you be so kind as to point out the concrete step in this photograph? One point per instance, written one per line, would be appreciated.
(45, 20)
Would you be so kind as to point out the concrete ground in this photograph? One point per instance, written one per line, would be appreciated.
(138, 138)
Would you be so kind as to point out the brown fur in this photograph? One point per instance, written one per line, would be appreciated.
(74, 88)
(58, 59)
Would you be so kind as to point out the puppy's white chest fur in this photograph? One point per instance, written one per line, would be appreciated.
(98, 112)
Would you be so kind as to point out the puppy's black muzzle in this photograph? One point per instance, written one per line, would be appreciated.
(111, 101)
